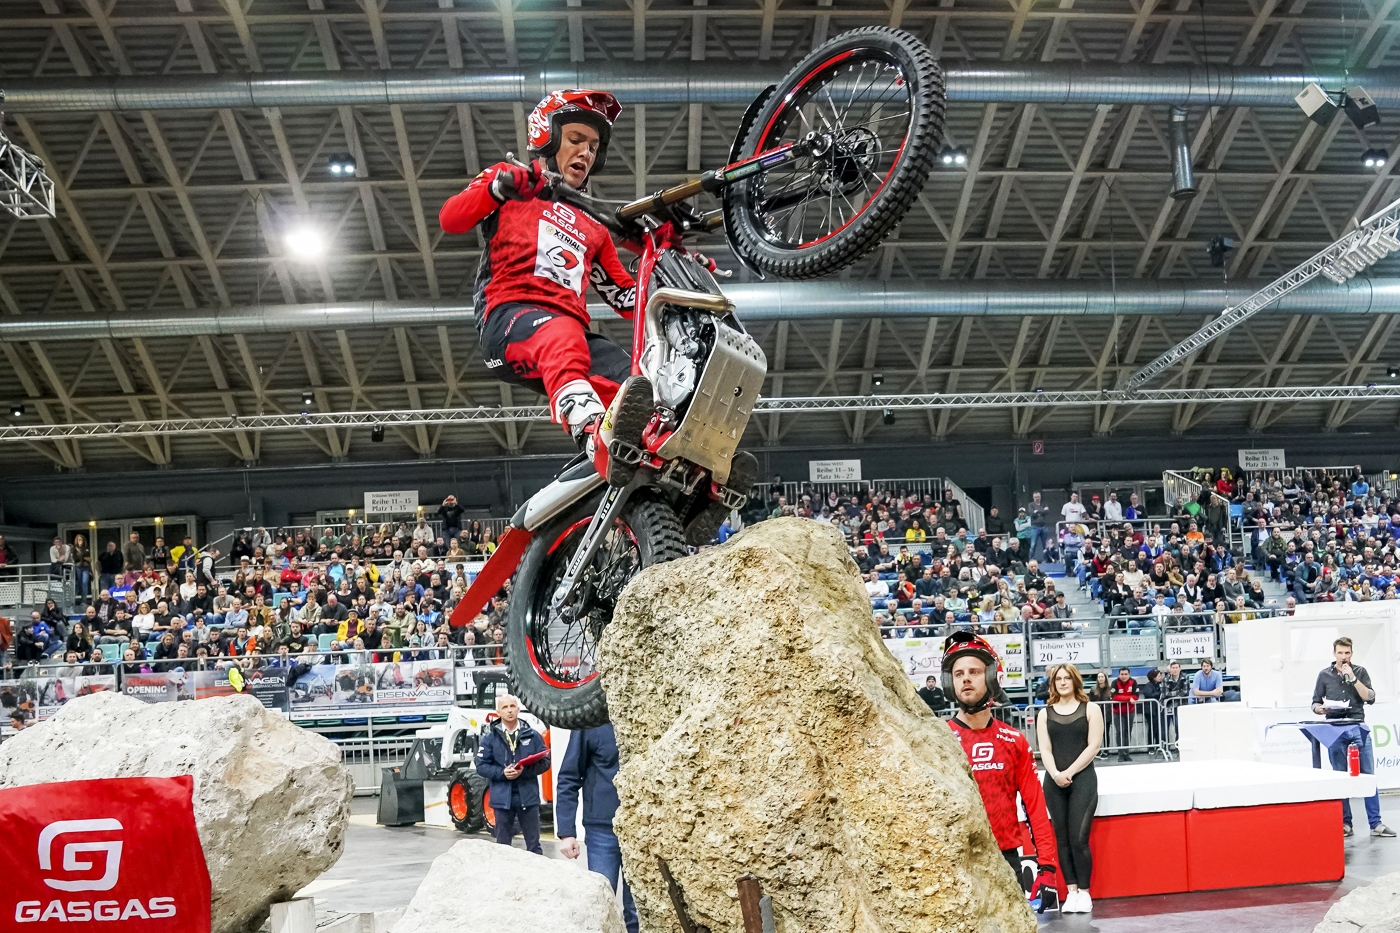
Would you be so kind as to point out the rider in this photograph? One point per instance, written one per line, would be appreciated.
(531, 316)
(1000, 757)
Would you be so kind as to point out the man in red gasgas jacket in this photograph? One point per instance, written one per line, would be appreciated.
(531, 314)
(1000, 757)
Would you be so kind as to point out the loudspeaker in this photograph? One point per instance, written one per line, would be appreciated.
(1317, 104)
(400, 799)
(1360, 108)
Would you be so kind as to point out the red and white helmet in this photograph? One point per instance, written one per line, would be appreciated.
(966, 643)
(598, 109)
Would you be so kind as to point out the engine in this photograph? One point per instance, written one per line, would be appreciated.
(690, 335)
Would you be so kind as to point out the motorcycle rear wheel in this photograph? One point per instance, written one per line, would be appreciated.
(552, 661)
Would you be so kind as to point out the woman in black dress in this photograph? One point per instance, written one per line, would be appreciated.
(1070, 730)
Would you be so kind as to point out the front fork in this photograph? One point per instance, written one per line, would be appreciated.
(609, 508)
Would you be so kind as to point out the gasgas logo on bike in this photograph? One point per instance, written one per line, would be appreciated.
(69, 871)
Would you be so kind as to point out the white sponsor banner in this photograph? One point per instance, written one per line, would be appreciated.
(1286, 744)
(1265, 459)
(1080, 652)
(392, 502)
(922, 658)
(1231, 663)
(834, 471)
(1182, 646)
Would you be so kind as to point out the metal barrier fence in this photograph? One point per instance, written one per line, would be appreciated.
(1145, 727)
(30, 584)
(364, 757)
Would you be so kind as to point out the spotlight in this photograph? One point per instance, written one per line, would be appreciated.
(305, 242)
(1375, 158)
(341, 164)
(376, 434)
(1217, 247)
(953, 155)
(887, 417)
(1317, 104)
(1039, 390)
(1361, 109)
(16, 411)
(878, 379)
(1393, 371)
(306, 400)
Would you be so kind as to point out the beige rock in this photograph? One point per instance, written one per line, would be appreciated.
(271, 800)
(764, 728)
(480, 885)
(1374, 908)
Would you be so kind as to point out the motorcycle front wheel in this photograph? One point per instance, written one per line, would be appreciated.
(552, 657)
(875, 97)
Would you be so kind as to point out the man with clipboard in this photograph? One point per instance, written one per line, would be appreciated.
(512, 757)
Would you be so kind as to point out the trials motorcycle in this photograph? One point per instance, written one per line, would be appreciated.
(824, 166)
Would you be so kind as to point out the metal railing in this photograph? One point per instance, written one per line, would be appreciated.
(974, 516)
(362, 530)
(28, 585)
(1180, 489)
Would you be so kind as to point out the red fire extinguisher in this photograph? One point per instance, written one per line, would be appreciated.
(1353, 760)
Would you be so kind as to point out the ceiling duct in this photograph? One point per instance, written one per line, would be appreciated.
(1183, 181)
(680, 82)
(757, 302)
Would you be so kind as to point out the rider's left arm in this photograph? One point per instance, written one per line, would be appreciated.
(612, 281)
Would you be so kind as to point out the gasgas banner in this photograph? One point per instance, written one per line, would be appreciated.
(78, 855)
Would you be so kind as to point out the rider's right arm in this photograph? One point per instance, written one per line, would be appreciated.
(471, 206)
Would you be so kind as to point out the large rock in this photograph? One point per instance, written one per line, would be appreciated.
(1372, 909)
(271, 801)
(479, 885)
(765, 729)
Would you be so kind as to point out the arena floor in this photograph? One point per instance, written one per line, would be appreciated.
(382, 866)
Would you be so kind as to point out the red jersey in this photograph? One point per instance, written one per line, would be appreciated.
(1003, 766)
(538, 252)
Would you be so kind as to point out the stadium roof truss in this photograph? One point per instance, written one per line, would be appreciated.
(171, 212)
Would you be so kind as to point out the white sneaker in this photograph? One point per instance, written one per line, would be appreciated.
(1086, 903)
(1071, 904)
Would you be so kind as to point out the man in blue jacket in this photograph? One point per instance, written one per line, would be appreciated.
(590, 764)
(515, 791)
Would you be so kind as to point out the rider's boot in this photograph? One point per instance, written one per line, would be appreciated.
(611, 437)
(743, 472)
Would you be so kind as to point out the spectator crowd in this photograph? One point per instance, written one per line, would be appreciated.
(290, 599)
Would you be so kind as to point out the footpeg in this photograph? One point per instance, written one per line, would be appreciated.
(622, 452)
(732, 500)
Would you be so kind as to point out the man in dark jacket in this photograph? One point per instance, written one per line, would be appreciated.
(590, 763)
(515, 791)
(933, 695)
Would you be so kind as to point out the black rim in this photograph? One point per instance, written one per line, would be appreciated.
(563, 646)
(861, 105)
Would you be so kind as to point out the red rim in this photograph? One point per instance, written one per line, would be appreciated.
(457, 802)
(487, 810)
(530, 642)
(763, 140)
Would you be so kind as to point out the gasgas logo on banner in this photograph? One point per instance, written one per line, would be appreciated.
(66, 845)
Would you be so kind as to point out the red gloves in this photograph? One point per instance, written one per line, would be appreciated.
(517, 183)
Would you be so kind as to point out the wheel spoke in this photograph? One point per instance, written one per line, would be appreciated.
(871, 122)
